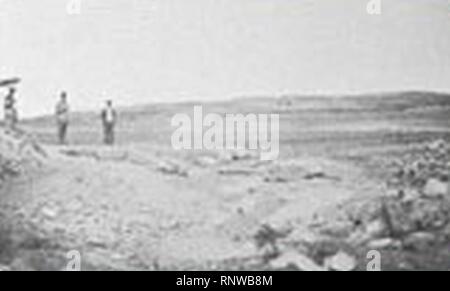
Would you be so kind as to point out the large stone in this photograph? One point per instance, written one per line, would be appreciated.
(376, 228)
(364, 211)
(49, 211)
(297, 260)
(436, 145)
(404, 218)
(341, 262)
(419, 241)
(430, 214)
(397, 218)
(435, 189)
(371, 231)
(410, 195)
(300, 239)
(384, 243)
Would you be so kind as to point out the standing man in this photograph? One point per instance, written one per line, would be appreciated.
(11, 116)
(62, 117)
(109, 118)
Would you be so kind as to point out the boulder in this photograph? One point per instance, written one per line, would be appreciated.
(410, 195)
(373, 230)
(384, 243)
(341, 262)
(397, 218)
(303, 235)
(407, 217)
(376, 228)
(436, 145)
(296, 260)
(300, 239)
(435, 188)
(49, 211)
(430, 214)
(420, 241)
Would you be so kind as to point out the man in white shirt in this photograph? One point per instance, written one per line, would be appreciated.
(109, 118)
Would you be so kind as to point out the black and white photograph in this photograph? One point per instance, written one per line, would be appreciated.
(224, 136)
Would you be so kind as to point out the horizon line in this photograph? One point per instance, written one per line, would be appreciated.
(381, 93)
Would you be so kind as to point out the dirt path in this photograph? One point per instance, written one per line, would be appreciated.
(123, 209)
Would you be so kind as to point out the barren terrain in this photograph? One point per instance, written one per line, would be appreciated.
(140, 205)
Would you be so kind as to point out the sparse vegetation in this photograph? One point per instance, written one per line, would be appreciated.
(353, 174)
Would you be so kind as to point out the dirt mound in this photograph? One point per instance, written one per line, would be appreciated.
(20, 157)
(19, 153)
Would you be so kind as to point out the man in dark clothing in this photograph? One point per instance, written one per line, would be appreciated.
(62, 117)
(109, 118)
(11, 116)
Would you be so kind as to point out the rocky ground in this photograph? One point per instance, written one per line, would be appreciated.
(122, 210)
(409, 224)
(142, 206)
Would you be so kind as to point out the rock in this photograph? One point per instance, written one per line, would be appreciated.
(171, 168)
(300, 239)
(268, 235)
(363, 212)
(239, 155)
(376, 228)
(4, 268)
(275, 179)
(237, 171)
(429, 214)
(435, 189)
(205, 161)
(410, 195)
(446, 232)
(419, 241)
(403, 218)
(49, 212)
(341, 262)
(297, 260)
(398, 218)
(337, 228)
(315, 175)
(436, 145)
(384, 243)
(371, 231)
(358, 238)
(303, 235)
(394, 193)
(281, 227)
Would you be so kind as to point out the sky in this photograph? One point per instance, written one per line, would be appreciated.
(146, 51)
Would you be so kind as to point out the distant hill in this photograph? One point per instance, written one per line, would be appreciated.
(151, 123)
